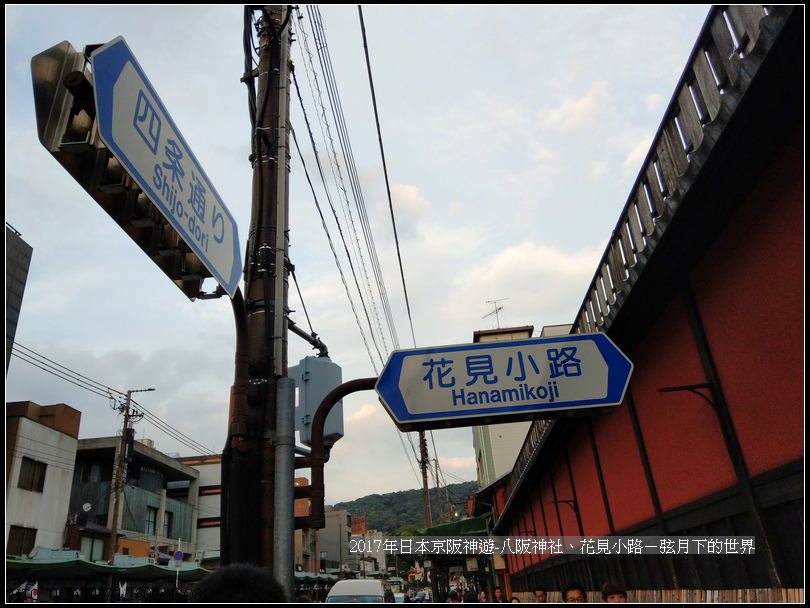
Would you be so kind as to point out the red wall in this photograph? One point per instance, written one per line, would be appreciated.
(682, 435)
(586, 484)
(625, 483)
(750, 292)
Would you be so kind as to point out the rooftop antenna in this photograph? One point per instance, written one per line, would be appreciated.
(496, 311)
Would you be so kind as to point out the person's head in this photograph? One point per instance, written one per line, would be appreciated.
(574, 592)
(242, 583)
(540, 595)
(614, 593)
(482, 597)
(514, 600)
(470, 597)
(498, 593)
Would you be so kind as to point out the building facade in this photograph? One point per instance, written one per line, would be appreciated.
(18, 260)
(334, 539)
(148, 517)
(497, 446)
(209, 505)
(701, 286)
(41, 443)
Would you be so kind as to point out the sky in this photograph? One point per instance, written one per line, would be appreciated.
(512, 138)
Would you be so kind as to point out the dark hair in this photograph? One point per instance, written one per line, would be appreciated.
(541, 588)
(613, 588)
(241, 583)
(574, 586)
(470, 597)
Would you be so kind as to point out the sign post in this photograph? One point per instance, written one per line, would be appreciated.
(495, 382)
(137, 129)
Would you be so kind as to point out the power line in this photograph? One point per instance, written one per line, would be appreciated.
(97, 388)
(314, 86)
(385, 173)
(332, 157)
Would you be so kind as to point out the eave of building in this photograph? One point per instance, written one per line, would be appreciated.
(171, 468)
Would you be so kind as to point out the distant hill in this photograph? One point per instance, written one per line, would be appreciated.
(398, 512)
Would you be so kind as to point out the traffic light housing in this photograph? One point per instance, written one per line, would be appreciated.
(67, 128)
(316, 377)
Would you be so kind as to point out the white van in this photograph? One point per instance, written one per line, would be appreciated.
(357, 591)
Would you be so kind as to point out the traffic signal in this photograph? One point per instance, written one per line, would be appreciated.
(67, 128)
(316, 377)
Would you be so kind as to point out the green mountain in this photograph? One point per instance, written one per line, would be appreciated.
(404, 512)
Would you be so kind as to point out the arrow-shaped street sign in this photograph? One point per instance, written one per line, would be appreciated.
(495, 382)
(138, 130)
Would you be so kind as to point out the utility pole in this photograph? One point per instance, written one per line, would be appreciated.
(438, 490)
(423, 454)
(119, 479)
(250, 492)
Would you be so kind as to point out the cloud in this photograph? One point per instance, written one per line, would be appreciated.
(653, 102)
(632, 162)
(598, 169)
(456, 463)
(576, 114)
(409, 207)
(365, 412)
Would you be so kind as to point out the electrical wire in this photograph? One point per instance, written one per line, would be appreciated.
(385, 173)
(97, 388)
(333, 97)
(316, 95)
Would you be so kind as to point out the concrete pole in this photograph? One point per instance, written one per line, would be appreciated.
(423, 454)
(284, 550)
(262, 358)
(118, 480)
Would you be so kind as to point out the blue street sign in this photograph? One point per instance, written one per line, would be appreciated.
(494, 382)
(139, 132)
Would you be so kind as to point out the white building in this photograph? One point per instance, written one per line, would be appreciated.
(498, 445)
(41, 447)
(209, 504)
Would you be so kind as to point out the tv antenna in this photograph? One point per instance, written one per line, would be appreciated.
(496, 311)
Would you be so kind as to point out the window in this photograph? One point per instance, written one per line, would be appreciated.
(32, 475)
(92, 548)
(90, 473)
(150, 526)
(20, 540)
(168, 516)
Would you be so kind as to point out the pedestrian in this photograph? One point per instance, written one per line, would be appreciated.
(574, 593)
(499, 598)
(514, 600)
(471, 597)
(540, 594)
(482, 598)
(614, 593)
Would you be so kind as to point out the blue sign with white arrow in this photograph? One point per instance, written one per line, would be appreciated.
(138, 130)
(495, 382)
